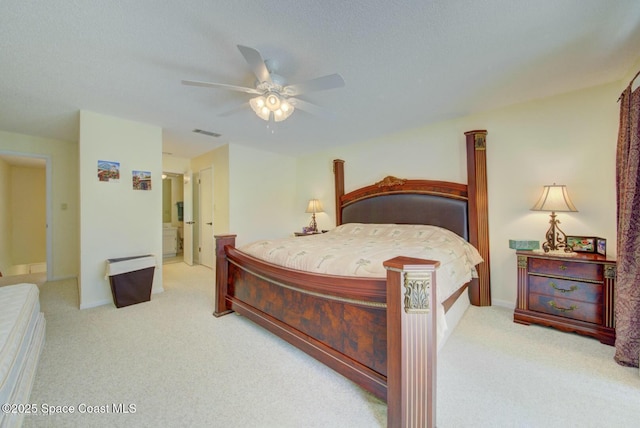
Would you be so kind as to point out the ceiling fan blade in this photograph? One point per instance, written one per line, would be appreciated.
(323, 83)
(255, 61)
(221, 86)
(234, 110)
(311, 108)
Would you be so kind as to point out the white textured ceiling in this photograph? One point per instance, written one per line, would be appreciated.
(406, 63)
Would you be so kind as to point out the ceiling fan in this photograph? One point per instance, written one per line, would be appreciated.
(273, 97)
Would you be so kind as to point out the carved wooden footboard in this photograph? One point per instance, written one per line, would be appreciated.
(377, 333)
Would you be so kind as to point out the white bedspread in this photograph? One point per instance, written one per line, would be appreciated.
(357, 249)
(22, 327)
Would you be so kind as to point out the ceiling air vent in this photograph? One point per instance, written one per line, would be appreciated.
(209, 133)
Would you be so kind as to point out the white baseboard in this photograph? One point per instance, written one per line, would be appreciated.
(110, 300)
(62, 278)
(96, 303)
(503, 303)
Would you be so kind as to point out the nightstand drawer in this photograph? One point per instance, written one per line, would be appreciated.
(588, 312)
(566, 268)
(566, 289)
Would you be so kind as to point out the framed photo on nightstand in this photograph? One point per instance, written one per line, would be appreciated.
(587, 244)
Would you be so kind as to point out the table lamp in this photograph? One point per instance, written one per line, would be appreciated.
(555, 198)
(314, 207)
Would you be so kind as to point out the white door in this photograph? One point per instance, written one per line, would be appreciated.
(187, 217)
(206, 218)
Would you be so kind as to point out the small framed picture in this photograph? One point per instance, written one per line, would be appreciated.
(583, 244)
(601, 246)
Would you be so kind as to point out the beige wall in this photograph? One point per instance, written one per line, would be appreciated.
(253, 192)
(5, 217)
(630, 75)
(261, 194)
(115, 220)
(63, 158)
(28, 215)
(568, 139)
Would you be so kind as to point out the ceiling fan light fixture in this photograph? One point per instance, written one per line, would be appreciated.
(270, 92)
(272, 103)
(283, 112)
(280, 115)
(258, 105)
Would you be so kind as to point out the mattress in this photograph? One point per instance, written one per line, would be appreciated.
(22, 328)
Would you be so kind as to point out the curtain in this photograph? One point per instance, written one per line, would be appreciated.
(627, 293)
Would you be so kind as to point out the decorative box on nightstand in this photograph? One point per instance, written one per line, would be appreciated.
(571, 292)
(523, 244)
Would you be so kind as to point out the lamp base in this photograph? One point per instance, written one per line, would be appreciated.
(556, 238)
(313, 226)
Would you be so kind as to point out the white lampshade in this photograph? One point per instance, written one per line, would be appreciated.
(314, 206)
(554, 198)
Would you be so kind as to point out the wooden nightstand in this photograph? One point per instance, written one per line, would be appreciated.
(306, 234)
(571, 293)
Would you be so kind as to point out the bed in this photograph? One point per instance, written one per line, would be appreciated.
(22, 328)
(380, 332)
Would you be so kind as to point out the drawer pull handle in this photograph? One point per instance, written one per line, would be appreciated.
(563, 290)
(560, 308)
(562, 267)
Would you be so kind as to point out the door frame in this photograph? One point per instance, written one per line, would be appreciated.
(48, 203)
(187, 217)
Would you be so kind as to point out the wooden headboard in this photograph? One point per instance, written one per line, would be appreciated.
(461, 208)
(399, 201)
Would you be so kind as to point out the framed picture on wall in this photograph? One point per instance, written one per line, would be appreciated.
(108, 171)
(141, 180)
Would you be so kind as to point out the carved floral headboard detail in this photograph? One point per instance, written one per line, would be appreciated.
(390, 181)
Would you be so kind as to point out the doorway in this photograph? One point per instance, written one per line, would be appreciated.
(196, 242)
(26, 247)
(172, 217)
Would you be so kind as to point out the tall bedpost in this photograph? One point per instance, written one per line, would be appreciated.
(480, 289)
(222, 274)
(338, 176)
(411, 342)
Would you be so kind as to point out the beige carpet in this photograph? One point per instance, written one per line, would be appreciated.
(181, 367)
